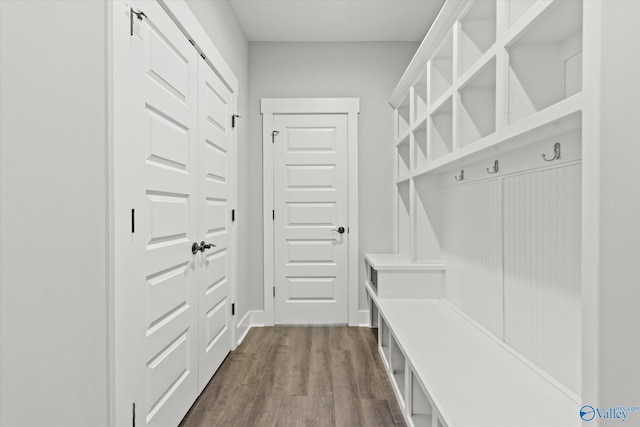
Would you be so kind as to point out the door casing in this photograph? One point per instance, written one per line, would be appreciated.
(350, 107)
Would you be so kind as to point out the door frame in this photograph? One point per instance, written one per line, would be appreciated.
(350, 107)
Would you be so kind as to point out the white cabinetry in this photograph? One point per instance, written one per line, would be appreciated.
(494, 115)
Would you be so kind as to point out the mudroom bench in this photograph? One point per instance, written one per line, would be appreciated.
(448, 372)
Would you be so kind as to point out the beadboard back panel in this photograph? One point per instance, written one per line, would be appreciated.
(512, 250)
(542, 299)
(472, 251)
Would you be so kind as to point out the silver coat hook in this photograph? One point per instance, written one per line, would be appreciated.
(461, 176)
(494, 169)
(556, 153)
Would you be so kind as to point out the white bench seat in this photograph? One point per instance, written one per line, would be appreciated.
(472, 380)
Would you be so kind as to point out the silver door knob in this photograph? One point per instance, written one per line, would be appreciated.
(339, 229)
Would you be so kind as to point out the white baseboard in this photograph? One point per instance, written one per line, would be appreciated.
(258, 318)
(242, 328)
(364, 319)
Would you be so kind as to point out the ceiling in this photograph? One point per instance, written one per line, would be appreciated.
(335, 20)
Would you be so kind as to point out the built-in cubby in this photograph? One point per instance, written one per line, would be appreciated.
(383, 340)
(517, 8)
(441, 137)
(441, 69)
(477, 113)
(398, 368)
(421, 408)
(495, 99)
(403, 118)
(477, 33)
(419, 94)
(545, 61)
(404, 157)
(420, 144)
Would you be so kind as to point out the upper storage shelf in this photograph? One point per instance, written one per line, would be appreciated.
(477, 33)
(490, 74)
(545, 61)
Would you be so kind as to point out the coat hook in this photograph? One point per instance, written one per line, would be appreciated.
(556, 153)
(461, 176)
(494, 169)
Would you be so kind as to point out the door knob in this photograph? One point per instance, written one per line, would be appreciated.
(204, 246)
(195, 248)
(339, 230)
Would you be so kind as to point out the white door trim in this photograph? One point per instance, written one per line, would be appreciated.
(269, 107)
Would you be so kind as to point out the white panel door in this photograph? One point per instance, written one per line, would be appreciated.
(310, 200)
(215, 158)
(164, 181)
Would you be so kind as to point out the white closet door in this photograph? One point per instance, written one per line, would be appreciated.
(215, 157)
(310, 199)
(164, 179)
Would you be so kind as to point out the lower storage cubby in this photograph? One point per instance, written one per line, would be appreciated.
(421, 409)
(398, 368)
(383, 340)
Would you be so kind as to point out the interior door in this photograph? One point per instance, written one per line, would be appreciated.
(310, 224)
(164, 181)
(215, 152)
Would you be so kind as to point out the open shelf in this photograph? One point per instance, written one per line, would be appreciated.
(420, 143)
(442, 69)
(404, 118)
(441, 140)
(383, 340)
(398, 368)
(404, 229)
(561, 117)
(517, 8)
(419, 93)
(477, 33)
(421, 407)
(545, 61)
(404, 161)
(477, 117)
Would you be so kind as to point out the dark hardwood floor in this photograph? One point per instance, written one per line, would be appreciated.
(300, 376)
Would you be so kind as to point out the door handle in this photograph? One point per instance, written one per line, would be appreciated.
(204, 246)
(339, 229)
(195, 248)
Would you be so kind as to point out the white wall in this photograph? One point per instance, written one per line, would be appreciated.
(368, 71)
(219, 21)
(53, 214)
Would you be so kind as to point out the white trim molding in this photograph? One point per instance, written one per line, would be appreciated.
(350, 107)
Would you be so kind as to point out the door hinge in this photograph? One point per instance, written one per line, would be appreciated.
(138, 14)
(134, 414)
(274, 291)
(233, 120)
(233, 215)
(202, 55)
(273, 135)
(233, 309)
(133, 221)
(273, 215)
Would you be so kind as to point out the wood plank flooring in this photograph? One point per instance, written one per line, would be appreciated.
(300, 376)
